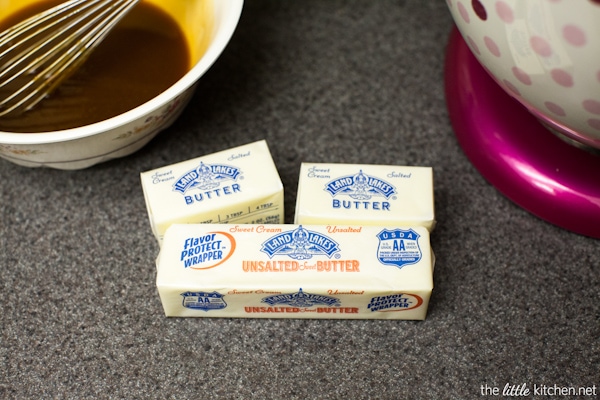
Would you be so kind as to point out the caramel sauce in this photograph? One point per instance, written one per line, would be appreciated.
(145, 54)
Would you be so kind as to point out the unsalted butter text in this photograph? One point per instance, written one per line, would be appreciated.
(295, 266)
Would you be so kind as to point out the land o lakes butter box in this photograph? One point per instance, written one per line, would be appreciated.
(295, 271)
(359, 194)
(239, 185)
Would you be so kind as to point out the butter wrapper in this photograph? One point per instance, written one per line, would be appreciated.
(240, 185)
(365, 195)
(295, 271)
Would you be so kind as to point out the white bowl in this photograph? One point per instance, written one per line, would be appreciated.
(545, 54)
(126, 133)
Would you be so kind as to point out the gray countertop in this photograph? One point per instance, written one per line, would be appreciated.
(515, 298)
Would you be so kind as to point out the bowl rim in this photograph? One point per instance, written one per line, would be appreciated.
(222, 31)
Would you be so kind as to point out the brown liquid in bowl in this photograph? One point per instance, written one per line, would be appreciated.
(144, 55)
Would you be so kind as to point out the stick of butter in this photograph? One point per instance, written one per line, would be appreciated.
(240, 185)
(365, 195)
(295, 271)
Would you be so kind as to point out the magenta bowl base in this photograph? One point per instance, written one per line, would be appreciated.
(543, 174)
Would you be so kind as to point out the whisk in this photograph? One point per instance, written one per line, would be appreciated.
(39, 53)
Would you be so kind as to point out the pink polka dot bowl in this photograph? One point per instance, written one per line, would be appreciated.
(545, 54)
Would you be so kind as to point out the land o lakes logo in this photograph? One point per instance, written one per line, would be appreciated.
(301, 299)
(360, 187)
(206, 177)
(399, 247)
(300, 244)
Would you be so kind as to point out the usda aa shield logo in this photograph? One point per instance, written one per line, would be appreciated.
(203, 301)
(398, 247)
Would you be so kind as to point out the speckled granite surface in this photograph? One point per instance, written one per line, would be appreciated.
(515, 299)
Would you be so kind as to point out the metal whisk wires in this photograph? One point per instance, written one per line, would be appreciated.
(39, 53)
